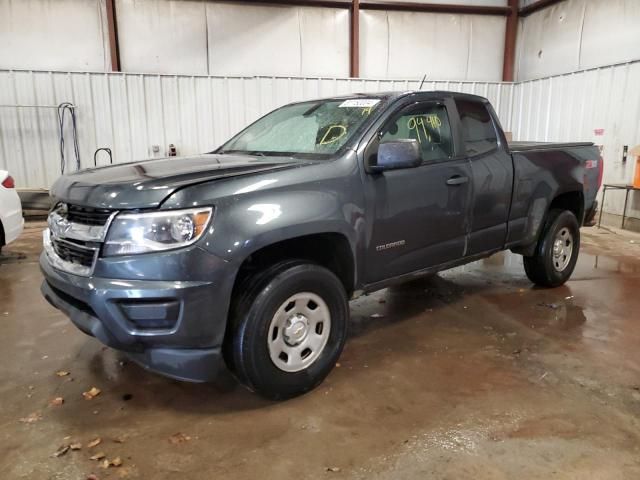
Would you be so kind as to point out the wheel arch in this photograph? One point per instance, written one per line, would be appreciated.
(572, 201)
(331, 250)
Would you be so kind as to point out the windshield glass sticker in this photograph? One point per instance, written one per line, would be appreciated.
(359, 103)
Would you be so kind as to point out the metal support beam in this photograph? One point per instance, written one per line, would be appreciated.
(433, 7)
(539, 5)
(112, 26)
(510, 43)
(297, 3)
(354, 37)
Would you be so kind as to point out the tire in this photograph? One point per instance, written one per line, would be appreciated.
(281, 351)
(553, 263)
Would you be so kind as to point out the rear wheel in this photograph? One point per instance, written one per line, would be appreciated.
(557, 251)
(288, 329)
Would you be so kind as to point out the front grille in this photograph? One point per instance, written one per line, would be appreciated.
(88, 215)
(73, 252)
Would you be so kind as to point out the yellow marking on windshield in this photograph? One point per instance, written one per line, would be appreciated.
(327, 139)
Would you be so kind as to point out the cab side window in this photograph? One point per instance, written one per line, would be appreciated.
(478, 131)
(428, 125)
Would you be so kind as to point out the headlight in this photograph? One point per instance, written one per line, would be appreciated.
(155, 231)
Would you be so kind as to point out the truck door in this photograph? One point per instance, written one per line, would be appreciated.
(492, 175)
(419, 214)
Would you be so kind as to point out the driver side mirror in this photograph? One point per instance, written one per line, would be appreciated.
(403, 153)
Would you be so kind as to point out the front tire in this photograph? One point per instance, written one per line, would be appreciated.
(557, 251)
(288, 329)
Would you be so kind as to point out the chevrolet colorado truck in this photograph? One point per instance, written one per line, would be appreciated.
(248, 255)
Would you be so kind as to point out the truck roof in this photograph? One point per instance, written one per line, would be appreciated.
(398, 94)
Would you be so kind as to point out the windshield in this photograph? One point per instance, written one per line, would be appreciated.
(317, 129)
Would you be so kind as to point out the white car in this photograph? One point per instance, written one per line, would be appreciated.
(11, 221)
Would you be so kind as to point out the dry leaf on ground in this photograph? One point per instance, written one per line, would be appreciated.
(177, 438)
(56, 402)
(75, 446)
(61, 451)
(94, 442)
(97, 456)
(116, 462)
(31, 418)
(94, 392)
(62, 373)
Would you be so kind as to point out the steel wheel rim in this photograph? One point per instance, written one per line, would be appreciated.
(298, 332)
(562, 249)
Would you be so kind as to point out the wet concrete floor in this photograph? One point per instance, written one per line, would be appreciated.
(471, 374)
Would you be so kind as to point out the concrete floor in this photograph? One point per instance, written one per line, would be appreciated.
(472, 374)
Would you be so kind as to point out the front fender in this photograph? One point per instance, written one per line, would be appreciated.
(246, 225)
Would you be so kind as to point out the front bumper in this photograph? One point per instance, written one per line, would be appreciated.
(190, 317)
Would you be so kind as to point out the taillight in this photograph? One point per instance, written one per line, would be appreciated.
(600, 172)
(9, 182)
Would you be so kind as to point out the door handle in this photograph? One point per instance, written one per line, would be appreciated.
(457, 180)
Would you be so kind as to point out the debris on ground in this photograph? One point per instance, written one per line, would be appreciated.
(178, 438)
(377, 315)
(94, 442)
(62, 373)
(61, 451)
(116, 462)
(89, 395)
(56, 402)
(97, 456)
(32, 418)
(75, 446)
(120, 439)
(333, 469)
(553, 306)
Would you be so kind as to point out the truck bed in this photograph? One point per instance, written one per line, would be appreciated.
(526, 146)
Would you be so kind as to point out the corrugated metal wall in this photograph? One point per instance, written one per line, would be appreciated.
(130, 113)
(600, 105)
(577, 34)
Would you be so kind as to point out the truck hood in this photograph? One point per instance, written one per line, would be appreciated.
(147, 183)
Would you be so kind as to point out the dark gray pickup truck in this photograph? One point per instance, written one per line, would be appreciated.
(248, 255)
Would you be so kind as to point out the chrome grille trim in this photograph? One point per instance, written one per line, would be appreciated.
(61, 227)
(65, 235)
(66, 266)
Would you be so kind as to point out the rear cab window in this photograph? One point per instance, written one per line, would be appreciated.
(478, 130)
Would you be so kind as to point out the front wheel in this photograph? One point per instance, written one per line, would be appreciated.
(557, 251)
(288, 329)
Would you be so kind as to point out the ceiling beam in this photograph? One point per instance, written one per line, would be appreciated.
(433, 7)
(534, 7)
(386, 5)
(297, 3)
